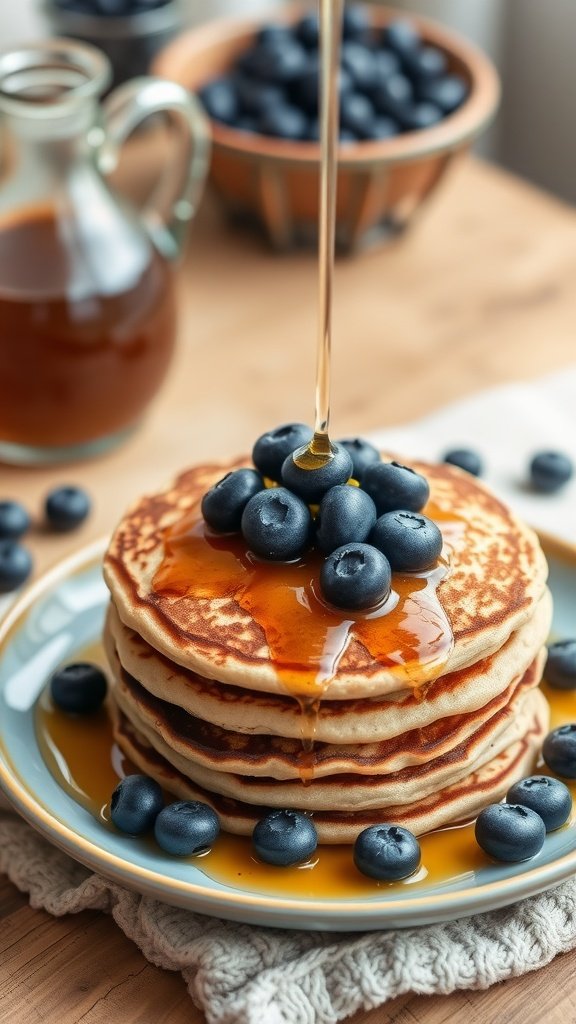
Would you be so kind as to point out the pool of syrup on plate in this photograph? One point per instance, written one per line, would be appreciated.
(81, 754)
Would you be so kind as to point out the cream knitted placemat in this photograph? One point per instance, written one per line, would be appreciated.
(239, 974)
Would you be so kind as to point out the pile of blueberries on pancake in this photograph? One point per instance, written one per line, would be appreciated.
(390, 81)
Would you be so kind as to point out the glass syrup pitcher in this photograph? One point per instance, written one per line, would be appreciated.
(87, 302)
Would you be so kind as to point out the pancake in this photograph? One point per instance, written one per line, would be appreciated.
(349, 791)
(220, 750)
(458, 802)
(354, 721)
(497, 576)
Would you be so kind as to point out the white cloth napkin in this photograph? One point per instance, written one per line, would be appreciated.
(506, 425)
(243, 975)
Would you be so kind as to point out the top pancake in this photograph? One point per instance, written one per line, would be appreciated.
(497, 574)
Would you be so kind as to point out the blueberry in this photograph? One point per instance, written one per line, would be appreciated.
(271, 448)
(548, 797)
(448, 93)
(276, 525)
(549, 471)
(220, 100)
(559, 751)
(224, 503)
(284, 123)
(383, 128)
(78, 688)
(425, 64)
(387, 853)
(135, 804)
(465, 458)
(357, 114)
(401, 36)
(66, 507)
(186, 827)
(560, 671)
(347, 514)
(280, 62)
(274, 34)
(393, 96)
(257, 97)
(410, 541)
(15, 565)
(284, 838)
(417, 116)
(360, 63)
(393, 486)
(14, 520)
(362, 453)
(355, 22)
(345, 136)
(386, 64)
(306, 89)
(312, 484)
(307, 31)
(245, 123)
(356, 576)
(510, 832)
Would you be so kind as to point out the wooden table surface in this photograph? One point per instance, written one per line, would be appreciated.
(481, 293)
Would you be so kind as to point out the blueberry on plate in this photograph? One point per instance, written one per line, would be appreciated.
(14, 520)
(273, 34)
(549, 471)
(306, 89)
(274, 446)
(393, 486)
(362, 453)
(466, 459)
(78, 688)
(559, 751)
(66, 507)
(223, 505)
(284, 122)
(355, 577)
(410, 541)
(388, 853)
(311, 484)
(284, 838)
(448, 92)
(186, 827)
(346, 514)
(15, 565)
(510, 832)
(560, 671)
(219, 100)
(277, 525)
(549, 797)
(401, 36)
(135, 804)
(386, 64)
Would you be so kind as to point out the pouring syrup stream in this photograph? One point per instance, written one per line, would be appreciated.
(319, 450)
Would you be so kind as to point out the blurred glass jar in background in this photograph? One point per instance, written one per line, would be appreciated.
(130, 32)
(87, 303)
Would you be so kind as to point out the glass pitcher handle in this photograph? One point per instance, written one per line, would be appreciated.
(175, 198)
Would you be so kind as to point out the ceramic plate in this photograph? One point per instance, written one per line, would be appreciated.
(62, 614)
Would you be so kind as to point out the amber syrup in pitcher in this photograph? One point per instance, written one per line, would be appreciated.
(87, 327)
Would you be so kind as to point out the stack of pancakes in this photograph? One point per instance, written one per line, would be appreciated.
(198, 703)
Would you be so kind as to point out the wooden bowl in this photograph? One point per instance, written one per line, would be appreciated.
(381, 185)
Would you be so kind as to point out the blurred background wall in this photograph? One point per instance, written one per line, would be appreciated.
(532, 42)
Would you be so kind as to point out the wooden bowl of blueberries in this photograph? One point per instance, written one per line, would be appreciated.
(413, 96)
